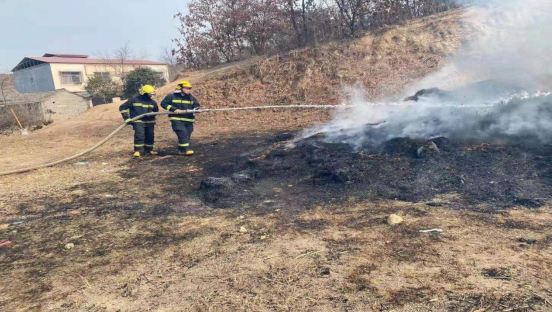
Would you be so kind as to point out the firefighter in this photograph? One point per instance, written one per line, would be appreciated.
(182, 123)
(143, 128)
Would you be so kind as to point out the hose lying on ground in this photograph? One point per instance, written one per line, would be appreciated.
(112, 134)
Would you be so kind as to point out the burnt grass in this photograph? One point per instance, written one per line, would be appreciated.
(315, 171)
(263, 173)
(42, 234)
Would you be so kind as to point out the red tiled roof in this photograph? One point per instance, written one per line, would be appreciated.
(69, 60)
(65, 55)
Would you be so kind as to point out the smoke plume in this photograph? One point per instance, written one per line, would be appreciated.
(497, 86)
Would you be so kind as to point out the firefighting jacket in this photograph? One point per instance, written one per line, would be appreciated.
(176, 101)
(139, 105)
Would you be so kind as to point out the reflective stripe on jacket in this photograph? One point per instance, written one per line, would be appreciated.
(139, 105)
(176, 101)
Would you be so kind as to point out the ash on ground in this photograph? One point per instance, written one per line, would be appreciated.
(315, 172)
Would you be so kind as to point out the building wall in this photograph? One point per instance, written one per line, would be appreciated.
(56, 75)
(116, 70)
(88, 71)
(64, 104)
(34, 79)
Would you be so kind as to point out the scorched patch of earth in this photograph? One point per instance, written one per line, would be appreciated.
(313, 172)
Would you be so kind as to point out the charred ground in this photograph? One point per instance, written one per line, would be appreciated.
(315, 172)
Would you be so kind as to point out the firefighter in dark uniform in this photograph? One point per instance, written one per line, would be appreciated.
(182, 123)
(143, 128)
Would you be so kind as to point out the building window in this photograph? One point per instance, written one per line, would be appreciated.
(106, 76)
(71, 77)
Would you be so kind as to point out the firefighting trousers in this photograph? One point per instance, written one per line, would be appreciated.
(144, 135)
(183, 130)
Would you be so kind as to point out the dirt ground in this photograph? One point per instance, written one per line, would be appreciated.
(110, 233)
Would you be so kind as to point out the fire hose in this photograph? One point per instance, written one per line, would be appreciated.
(112, 134)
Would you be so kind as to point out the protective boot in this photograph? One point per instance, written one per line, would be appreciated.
(187, 153)
(136, 154)
(153, 153)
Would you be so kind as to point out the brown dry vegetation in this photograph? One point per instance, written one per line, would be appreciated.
(143, 241)
(383, 63)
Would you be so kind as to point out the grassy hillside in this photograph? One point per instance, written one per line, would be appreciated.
(382, 62)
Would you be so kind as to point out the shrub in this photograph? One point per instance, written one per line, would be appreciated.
(101, 88)
(135, 79)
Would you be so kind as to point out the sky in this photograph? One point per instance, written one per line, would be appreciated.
(35, 27)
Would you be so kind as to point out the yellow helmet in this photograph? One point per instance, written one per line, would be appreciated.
(147, 89)
(183, 84)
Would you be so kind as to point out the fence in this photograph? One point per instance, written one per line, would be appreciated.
(31, 115)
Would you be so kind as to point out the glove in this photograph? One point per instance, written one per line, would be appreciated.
(195, 109)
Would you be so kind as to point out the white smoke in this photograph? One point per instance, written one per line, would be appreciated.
(514, 44)
(513, 50)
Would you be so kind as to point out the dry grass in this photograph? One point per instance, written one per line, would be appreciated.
(330, 258)
(382, 63)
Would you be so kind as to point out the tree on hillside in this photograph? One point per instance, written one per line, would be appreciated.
(101, 88)
(350, 11)
(298, 16)
(207, 38)
(168, 57)
(220, 31)
(139, 77)
(262, 24)
(217, 31)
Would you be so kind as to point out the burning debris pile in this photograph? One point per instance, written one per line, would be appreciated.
(488, 111)
(494, 153)
(480, 162)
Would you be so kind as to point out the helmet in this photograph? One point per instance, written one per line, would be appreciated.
(183, 84)
(147, 89)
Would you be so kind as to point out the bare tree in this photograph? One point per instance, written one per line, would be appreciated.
(168, 57)
(122, 59)
(220, 31)
(350, 11)
(300, 12)
(6, 81)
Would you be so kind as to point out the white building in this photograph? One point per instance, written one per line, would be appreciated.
(71, 71)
